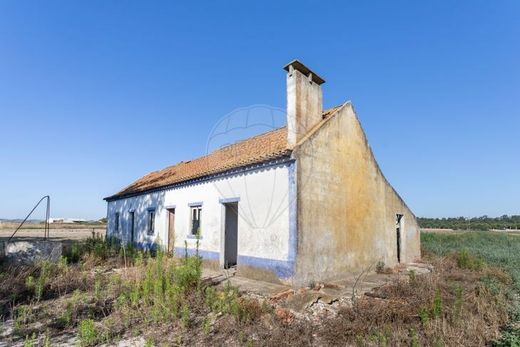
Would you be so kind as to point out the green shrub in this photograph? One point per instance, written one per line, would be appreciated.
(74, 254)
(38, 284)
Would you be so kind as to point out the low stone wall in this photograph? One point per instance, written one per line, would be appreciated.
(26, 252)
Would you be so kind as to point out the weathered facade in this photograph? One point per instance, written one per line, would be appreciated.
(336, 213)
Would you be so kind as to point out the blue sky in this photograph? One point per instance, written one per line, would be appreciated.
(94, 94)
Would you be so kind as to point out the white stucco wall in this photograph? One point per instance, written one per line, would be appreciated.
(263, 216)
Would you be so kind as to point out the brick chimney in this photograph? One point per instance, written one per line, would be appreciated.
(304, 100)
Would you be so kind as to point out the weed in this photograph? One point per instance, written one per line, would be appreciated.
(437, 304)
(23, 315)
(87, 334)
(37, 285)
(47, 341)
(466, 260)
(413, 336)
(66, 317)
(457, 305)
(413, 276)
(206, 326)
(97, 285)
(30, 341)
(63, 265)
(74, 254)
(185, 315)
(223, 302)
(424, 315)
(380, 267)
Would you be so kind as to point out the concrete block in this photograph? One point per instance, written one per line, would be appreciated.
(26, 252)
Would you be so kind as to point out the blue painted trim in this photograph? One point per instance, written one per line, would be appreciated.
(228, 200)
(153, 208)
(293, 212)
(280, 161)
(209, 255)
(194, 204)
(282, 268)
(193, 237)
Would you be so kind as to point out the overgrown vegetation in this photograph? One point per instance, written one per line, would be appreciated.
(501, 250)
(83, 294)
(475, 249)
(101, 292)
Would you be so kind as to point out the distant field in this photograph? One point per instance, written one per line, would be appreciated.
(13, 226)
(57, 231)
(496, 248)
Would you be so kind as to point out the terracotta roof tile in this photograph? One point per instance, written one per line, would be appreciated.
(259, 148)
(255, 149)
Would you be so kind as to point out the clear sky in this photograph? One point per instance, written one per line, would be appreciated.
(94, 94)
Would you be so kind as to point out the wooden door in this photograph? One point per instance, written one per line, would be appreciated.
(171, 230)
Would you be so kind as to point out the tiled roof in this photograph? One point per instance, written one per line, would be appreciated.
(256, 149)
(270, 145)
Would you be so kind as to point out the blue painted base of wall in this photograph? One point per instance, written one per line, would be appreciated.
(208, 255)
(282, 268)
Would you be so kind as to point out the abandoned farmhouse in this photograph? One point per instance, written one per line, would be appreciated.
(335, 212)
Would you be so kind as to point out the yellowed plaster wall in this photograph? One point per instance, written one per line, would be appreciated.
(346, 208)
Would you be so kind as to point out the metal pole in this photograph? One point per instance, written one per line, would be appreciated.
(47, 216)
(27, 217)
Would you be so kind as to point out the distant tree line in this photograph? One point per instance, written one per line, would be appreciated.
(504, 222)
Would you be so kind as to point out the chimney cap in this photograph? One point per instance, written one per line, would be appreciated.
(297, 65)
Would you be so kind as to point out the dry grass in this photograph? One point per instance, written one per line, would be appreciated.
(451, 307)
(164, 300)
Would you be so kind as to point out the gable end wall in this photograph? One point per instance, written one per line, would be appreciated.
(346, 207)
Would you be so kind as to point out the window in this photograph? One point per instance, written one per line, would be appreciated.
(116, 227)
(195, 220)
(151, 222)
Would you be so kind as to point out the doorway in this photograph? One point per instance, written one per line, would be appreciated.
(132, 228)
(231, 235)
(398, 227)
(171, 230)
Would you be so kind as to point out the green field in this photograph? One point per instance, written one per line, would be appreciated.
(500, 249)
